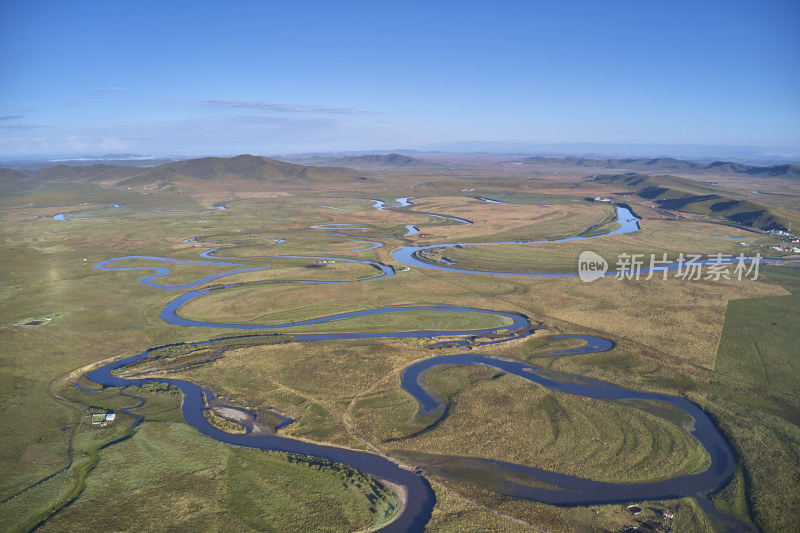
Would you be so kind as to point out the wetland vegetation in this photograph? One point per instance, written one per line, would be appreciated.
(728, 346)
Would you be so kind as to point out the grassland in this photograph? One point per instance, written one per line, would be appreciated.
(655, 238)
(167, 476)
(505, 222)
(756, 393)
(246, 305)
(745, 353)
(502, 417)
(712, 342)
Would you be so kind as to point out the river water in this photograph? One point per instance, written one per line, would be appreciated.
(568, 490)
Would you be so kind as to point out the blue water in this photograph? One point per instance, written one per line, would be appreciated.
(593, 345)
(569, 490)
(409, 255)
(489, 200)
(420, 500)
(380, 205)
(454, 219)
(337, 226)
(411, 230)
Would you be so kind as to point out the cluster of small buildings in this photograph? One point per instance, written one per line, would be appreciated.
(787, 236)
(786, 248)
(635, 510)
(102, 419)
(602, 199)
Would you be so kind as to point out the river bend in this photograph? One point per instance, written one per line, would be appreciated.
(420, 500)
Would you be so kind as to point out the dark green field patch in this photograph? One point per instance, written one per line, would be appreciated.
(759, 341)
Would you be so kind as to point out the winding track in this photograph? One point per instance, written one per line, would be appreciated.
(420, 500)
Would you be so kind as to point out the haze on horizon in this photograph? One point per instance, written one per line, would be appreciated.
(203, 79)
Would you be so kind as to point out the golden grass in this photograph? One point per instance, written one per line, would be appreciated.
(504, 221)
(496, 416)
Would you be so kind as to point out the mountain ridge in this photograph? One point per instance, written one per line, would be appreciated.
(681, 194)
(393, 159)
(241, 171)
(787, 170)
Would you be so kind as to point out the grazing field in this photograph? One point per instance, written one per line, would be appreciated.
(755, 389)
(727, 345)
(167, 476)
(747, 354)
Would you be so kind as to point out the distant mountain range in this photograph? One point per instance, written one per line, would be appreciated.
(668, 164)
(392, 160)
(235, 173)
(124, 160)
(248, 172)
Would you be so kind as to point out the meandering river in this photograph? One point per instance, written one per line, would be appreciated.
(568, 490)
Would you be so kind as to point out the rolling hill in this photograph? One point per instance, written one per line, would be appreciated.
(237, 171)
(680, 194)
(244, 172)
(86, 174)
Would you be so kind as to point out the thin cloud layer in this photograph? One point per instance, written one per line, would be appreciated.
(282, 107)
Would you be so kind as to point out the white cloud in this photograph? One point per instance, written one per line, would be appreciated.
(262, 133)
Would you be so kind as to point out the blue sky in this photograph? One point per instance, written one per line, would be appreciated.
(197, 78)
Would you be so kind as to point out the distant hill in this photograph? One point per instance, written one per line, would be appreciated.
(668, 164)
(119, 160)
(15, 181)
(787, 171)
(390, 160)
(681, 194)
(235, 173)
(91, 173)
(9, 174)
(240, 168)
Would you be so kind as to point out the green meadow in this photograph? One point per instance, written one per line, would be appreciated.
(727, 345)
